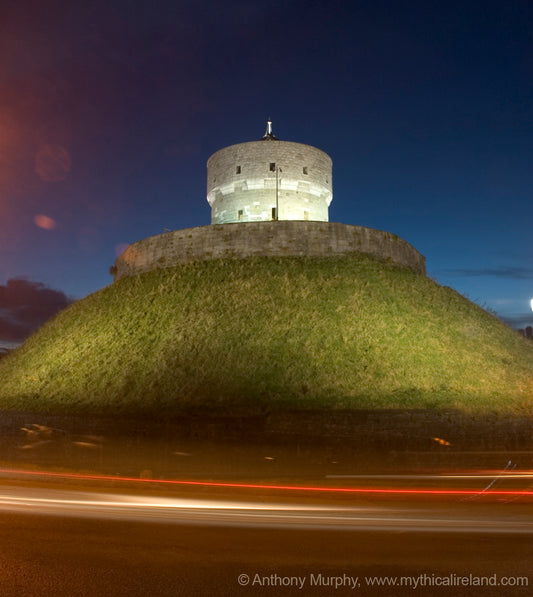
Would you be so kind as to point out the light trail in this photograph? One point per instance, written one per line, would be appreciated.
(274, 487)
(212, 512)
(484, 475)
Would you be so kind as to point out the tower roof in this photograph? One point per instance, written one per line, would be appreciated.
(269, 135)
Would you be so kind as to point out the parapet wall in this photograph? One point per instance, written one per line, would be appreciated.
(264, 239)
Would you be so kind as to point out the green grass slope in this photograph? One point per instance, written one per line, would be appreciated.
(245, 336)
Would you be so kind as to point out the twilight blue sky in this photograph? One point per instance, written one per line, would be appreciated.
(109, 110)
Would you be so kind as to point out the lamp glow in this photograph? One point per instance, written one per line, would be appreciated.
(531, 304)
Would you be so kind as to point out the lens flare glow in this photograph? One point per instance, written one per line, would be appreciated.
(52, 163)
(44, 222)
(120, 248)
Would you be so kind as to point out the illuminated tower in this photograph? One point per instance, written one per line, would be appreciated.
(269, 180)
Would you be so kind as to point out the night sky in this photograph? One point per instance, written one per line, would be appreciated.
(109, 111)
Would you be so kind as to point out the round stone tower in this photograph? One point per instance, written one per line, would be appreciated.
(269, 180)
(248, 186)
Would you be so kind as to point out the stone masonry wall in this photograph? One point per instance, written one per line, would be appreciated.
(242, 181)
(264, 239)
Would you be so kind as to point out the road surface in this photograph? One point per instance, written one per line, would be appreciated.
(101, 538)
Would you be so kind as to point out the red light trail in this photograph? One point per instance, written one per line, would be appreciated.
(345, 490)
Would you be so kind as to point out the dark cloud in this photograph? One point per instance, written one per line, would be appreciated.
(25, 306)
(510, 273)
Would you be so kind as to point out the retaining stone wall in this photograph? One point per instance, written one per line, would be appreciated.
(264, 239)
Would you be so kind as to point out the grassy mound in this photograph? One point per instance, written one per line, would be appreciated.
(244, 336)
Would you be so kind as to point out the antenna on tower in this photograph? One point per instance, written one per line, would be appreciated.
(269, 135)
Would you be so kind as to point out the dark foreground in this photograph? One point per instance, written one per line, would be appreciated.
(63, 538)
(75, 537)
